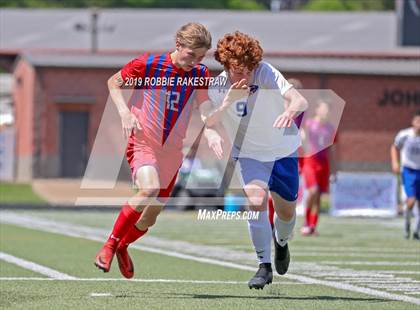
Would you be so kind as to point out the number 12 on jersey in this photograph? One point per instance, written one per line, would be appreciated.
(172, 100)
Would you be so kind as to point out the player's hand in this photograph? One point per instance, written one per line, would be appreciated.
(333, 177)
(285, 119)
(237, 90)
(396, 168)
(129, 122)
(215, 144)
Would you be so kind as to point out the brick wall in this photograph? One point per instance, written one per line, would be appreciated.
(366, 130)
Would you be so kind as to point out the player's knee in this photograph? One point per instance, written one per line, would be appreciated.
(287, 213)
(410, 202)
(287, 216)
(148, 192)
(313, 191)
(256, 200)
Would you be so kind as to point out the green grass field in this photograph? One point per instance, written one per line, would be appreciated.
(15, 193)
(184, 263)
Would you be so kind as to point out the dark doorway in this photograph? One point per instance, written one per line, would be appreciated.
(73, 143)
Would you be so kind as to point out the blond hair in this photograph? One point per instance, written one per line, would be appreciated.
(193, 35)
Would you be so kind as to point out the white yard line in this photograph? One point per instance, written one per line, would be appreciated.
(95, 234)
(397, 271)
(51, 273)
(353, 288)
(384, 281)
(395, 287)
(357, 254)
(367, 263)
(141, 280)
(338, 249)
(100, 294)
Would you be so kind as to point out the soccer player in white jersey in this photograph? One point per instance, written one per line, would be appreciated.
(251, 106)
(405, 156)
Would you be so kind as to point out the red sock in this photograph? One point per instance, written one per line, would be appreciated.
(132, 235)
(125, 220)
(313, 220)
(307, 217)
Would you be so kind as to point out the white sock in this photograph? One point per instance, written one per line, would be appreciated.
(261, 234)
(417, 215)
(283, 229)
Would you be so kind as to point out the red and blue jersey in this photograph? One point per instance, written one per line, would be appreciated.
(164, 109)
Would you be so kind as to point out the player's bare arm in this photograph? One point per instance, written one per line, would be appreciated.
(395, 159)
(128, 119)
(297, 104)
(212, 116)
(214, 140)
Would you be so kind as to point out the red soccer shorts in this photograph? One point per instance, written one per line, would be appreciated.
(316, 176)
(142, 152)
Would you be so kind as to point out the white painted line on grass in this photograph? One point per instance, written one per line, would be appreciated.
(397, 271)
(45, 225)
(100, 294)
(142, 280)
(360, 276)
(335, 274)
(353, 288)
(367, 263)
(338, 249)
(393, 281)
(357, 254)
(403, 288)
(394, 286)
(51, 273)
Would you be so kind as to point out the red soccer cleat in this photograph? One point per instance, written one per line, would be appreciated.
(104, 257)
(124, 262)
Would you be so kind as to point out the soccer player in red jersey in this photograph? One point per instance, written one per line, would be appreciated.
(161, 106)
(316, 169)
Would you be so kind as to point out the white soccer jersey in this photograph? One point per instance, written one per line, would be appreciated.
(409, 145)
(265, 103)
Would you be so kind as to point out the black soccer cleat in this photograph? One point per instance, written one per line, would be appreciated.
(281, 257)
(416, 236)
(262, 277)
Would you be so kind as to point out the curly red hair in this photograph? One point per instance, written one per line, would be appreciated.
(238, 50)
